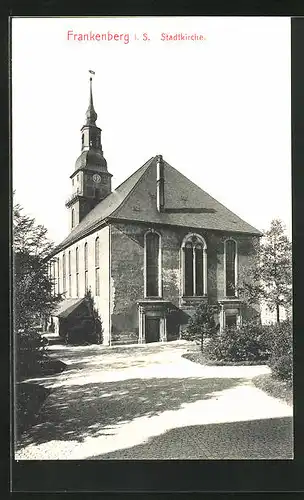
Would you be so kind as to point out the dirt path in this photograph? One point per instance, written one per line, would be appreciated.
(140, 402)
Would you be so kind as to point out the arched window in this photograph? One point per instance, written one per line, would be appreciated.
(194, 266)
(97, 266)
(77, 272)
(63, 274)
(70, 275)
(73, 221)
(58, 275)
(152, 264)
(86, 266)
(230, 259)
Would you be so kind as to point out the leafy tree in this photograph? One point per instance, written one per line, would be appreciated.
(203, 324)
(33, 286)
(271, 279)
(33, 298)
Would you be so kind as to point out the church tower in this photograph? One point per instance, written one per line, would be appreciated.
(91, 181)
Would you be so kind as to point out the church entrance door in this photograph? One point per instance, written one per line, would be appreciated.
(152, 329)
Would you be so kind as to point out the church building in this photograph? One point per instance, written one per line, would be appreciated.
(151, 250)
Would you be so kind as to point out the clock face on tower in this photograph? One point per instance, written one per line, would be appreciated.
(96, 178)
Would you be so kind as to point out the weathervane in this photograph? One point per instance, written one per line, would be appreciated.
(92, 73)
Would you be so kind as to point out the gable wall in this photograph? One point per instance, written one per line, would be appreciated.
(127, 270)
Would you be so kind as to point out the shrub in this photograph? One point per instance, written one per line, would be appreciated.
(203, 324)
(244, 343)
(282, 367)
(256, 343)
(88, 329)
(30, 352)
(280, 345)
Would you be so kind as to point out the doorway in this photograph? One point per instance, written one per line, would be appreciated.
(152, 329)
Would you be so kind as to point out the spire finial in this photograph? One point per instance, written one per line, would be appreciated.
(91, 113)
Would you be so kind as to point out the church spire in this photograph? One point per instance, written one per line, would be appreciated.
(91, 114)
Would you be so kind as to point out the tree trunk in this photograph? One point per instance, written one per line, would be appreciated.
(278, 313)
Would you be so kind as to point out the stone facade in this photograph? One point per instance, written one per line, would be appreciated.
(122, 278)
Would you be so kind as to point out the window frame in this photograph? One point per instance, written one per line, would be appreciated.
(200, 241)
(64, 290)
(97, 272)
(69, 274)
(77, 270)
(235, 269)
(159, 259)
(86, 265)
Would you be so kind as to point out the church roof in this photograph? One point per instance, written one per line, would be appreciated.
(186, 204)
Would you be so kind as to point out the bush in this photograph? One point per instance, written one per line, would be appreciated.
(30, 353)
(88, 329)
(203, 324)
(271, 344)
(280, 345)
(282, 367)
(244, 343)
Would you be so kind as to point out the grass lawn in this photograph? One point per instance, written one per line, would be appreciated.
(275, 387)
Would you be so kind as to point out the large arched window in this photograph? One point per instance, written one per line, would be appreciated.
(194, 266)
(230, 259)
(152, 264)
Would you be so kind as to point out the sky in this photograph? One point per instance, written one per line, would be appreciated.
(217, 109)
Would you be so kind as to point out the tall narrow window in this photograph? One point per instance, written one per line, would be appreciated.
(52, 276)
(73, 215)
(58, 275)
(194, 263)
(70, 275)
(230, 267)
(189, 289)
(77, 272)
(152, 252)
(97, 266)
(63, 274)
(86, 266)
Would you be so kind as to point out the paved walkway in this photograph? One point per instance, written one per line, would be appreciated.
(147, 402)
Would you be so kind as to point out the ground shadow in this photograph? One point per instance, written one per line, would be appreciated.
(113, 358)
(75, 412)
(267, 439)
